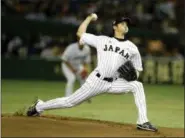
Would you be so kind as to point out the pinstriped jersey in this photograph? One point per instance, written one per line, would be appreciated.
(75, 56)
(112, 53)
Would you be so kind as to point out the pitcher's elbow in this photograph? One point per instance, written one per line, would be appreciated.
(78, 34)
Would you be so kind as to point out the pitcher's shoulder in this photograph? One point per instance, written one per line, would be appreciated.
(104, 36)
(131, 44)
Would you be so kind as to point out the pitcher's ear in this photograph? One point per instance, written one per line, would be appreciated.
(126, 30)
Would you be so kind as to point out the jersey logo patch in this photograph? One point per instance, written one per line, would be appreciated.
(122, 52)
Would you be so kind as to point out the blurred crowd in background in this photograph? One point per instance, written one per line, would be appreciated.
(155, 15)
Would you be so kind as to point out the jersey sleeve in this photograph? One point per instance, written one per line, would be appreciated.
(136, 60)
(89, 39)
(66, 54)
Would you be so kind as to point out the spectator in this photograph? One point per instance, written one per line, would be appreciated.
(155, 48)
(168, 27)
(166, 8)
(176, 54)
(13, 46)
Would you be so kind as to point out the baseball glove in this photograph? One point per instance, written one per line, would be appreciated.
(83, 73)
(127, 71)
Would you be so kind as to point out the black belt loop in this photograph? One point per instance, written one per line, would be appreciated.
(105, 79)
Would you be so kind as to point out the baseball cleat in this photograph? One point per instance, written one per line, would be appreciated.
(32, 109)
(147, 126)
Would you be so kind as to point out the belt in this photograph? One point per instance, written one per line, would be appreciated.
(105, 79)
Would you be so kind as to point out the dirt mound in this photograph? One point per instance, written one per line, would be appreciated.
(55, 126)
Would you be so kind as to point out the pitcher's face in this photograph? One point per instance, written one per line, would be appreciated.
(121, 27)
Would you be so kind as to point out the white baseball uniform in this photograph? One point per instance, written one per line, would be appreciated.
(76, 57)
(111, 54)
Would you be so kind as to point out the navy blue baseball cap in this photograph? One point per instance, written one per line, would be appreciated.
(122, 19)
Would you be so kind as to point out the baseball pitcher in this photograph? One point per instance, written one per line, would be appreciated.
(118, 67)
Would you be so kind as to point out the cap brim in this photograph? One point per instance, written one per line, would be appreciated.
(126, 20)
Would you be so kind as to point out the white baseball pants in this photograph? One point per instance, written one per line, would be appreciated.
(95, 86)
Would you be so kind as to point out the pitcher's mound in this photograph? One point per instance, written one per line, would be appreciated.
(55, 126)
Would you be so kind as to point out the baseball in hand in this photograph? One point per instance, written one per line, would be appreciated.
(94, 16)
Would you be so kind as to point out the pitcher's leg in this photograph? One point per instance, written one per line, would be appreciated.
(76, 98)
(122, 86)
(140, 101)
(82, 81)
